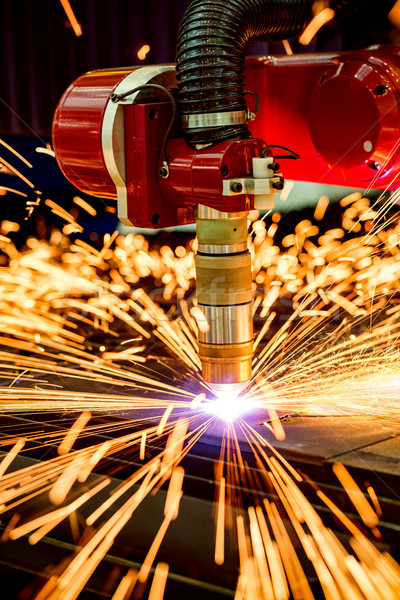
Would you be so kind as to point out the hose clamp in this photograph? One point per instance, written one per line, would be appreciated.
(209, 120)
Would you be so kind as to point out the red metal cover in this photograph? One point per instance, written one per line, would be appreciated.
(77, 128)
(340, 112)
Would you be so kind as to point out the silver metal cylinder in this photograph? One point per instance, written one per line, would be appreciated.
(227, 324)
(224, 295)
(222, 248)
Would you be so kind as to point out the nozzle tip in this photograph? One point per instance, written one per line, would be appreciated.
(223, 388)
(229, 405)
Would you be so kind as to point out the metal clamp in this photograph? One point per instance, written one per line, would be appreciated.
(209, 120)
(248, 185)
(263, 190)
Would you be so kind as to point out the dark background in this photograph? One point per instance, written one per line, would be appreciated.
(40, 55)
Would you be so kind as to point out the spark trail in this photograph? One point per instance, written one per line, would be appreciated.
(340, 325)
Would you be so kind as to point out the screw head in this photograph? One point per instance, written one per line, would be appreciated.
(224, 170)
(163, 172)
(274, 166)
(278, 185)
(375, 165)
(236, 187)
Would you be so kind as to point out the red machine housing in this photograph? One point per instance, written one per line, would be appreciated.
(77, 129)
(340, 112)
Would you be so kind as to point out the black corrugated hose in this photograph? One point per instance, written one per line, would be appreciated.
(211, 50)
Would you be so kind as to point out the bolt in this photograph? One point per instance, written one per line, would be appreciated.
(224, 170)
(163, 172)
(380, 90)
(236, 187)
(375, 165)
(279, 185)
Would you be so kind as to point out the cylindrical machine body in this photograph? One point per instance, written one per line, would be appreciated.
(77, 130)
(224, 294)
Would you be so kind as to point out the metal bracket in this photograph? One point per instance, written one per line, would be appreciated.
(252, 186)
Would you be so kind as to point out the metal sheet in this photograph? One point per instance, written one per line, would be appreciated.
(381, 457)
(318, 439)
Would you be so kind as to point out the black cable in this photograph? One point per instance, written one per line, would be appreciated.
(211, 51)
(117, 97)
(258, 100)
(290, 153)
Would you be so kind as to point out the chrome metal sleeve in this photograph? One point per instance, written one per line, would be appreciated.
(227, 324)
(222, 248)
(210, 120)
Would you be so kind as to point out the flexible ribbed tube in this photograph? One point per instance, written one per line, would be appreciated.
(211, 50)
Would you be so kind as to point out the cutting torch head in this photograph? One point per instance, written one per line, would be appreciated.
(223, 389)
(121, 150)
(225, 297)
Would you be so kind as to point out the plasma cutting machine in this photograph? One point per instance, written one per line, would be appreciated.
(178, 144)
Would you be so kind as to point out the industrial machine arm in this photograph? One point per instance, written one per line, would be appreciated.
(116, 135)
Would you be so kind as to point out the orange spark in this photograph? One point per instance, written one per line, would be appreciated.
(49, 151)
(219, 554)
(174, 489)
(143, 52)
(323, 17)
(164, 420)
(7, 460)
(288, 49)
(73, 432)
(361, 504)
(159, 582)
(85, 205)
(71, 17)
(17, 154)
(142, 446)
(16, 172)
(321, 207)
(148, 561)
(394, 15)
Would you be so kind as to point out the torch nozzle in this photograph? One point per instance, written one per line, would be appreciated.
(225, 297)
(227, 388)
